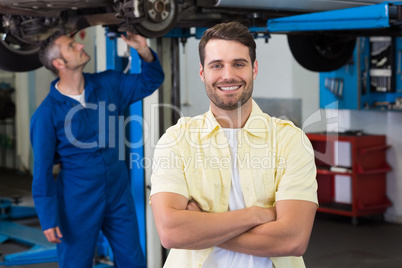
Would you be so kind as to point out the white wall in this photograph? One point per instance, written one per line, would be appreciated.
(280, 76)
(194, 101)
(274, 69)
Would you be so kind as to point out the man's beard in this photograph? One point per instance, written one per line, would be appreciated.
(244, 97)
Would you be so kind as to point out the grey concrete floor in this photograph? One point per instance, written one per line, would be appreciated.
(334, 243)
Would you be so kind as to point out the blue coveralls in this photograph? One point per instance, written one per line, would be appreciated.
(91, 192)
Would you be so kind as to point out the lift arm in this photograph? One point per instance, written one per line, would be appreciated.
(377, 16)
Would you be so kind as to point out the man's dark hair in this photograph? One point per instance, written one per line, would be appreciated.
(49, 51)
(231, 31)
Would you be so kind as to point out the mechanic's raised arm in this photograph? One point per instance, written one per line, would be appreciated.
(287, 236)
(189, 229)
(139, 43)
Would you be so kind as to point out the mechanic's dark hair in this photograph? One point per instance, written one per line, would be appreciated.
(49, 51)
(231, 31)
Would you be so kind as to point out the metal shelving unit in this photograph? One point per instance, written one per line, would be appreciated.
(351, 174)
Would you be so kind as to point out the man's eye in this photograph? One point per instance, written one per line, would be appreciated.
(216, 66)
(239, 64)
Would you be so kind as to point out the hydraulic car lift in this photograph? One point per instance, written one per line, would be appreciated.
(380, 16)
(41, 250)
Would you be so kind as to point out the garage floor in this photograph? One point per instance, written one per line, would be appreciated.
(334, 243)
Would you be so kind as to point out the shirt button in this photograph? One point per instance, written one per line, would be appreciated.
(196, 172)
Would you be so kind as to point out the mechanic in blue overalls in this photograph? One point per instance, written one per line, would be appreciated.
(76, 126)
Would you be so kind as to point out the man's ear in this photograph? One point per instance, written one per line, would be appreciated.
(58, 63)
(255, 69)
(202, 73)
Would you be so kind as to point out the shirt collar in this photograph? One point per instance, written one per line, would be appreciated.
(89, 86)
(210, 124)
(257, 124)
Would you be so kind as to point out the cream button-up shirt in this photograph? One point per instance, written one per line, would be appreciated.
(275, 161)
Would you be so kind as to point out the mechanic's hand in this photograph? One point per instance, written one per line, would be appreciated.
(53, 235)
(193, 206)
(139, 43)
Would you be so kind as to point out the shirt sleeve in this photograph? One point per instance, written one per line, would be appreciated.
(44, 189)
(134, 87)
(297, 170)
(168, 169)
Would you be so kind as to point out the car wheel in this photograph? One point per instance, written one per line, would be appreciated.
(321, 53)
(161, 15)
(17, 56)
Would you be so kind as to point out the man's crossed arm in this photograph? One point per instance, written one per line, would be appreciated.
(280, 231)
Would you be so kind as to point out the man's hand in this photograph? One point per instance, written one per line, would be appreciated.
(139, 43)
(193, 206)
(53, 235)
(288, 235)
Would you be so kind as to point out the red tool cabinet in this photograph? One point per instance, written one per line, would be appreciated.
(351, 173)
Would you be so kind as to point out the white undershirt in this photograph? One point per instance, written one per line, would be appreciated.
(222, 258)
(80, 98)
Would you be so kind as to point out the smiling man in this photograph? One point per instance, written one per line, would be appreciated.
(233, 187)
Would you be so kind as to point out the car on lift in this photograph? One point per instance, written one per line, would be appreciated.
(25, 23)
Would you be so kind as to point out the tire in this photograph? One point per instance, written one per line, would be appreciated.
(22, 59)
(159, 21)
(321, 53)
